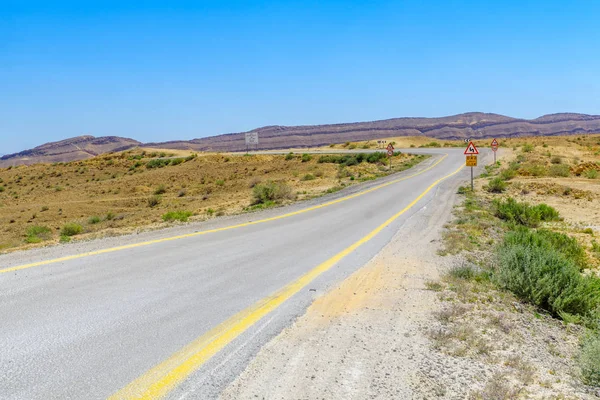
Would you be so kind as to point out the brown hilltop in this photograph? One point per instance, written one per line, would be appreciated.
(77, 148)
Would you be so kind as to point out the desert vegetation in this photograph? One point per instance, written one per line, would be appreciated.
(137, 189)
(530, 274)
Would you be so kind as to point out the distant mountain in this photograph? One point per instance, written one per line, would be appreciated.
(473, 125)
(77, 148)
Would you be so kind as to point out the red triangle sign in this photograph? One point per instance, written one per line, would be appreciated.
(494, 143)
(471, 149)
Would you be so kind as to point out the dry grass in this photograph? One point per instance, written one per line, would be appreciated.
(119, 193)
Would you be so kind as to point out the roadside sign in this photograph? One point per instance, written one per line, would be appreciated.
(390, 153)
(471, 161)
(390, 147)
(471, 149)
(251, 138)
(494, 145)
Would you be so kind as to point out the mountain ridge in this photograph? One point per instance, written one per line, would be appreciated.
(460, 126)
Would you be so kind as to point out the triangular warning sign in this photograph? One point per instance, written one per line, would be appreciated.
(471, 149)
(494, 142)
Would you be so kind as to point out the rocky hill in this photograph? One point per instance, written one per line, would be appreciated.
(473, 125)
(77, 148)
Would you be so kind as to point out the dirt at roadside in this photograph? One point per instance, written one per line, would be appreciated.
(365, 338)
(387, 332)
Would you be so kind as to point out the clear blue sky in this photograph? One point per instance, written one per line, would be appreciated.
(158, 71)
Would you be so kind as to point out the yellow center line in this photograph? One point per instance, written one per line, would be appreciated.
(160, 380)
(189, 235)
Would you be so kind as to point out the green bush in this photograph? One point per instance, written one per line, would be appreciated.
(353, 159)
(589, 360)
(535, 170)
(306, 157)
(37, 234)
(182, 216)
(71, 229)
(157, 163)
(2, 189)
(527, 148)
(547, 279)
(94, 220)
(220, 182)
(556, 160)
(508, 174)
(496, 185)
(308, 177)
(289, 156)
(271, 191)
(591, 174)
(545, 239)
(559, 170)
(523, 214)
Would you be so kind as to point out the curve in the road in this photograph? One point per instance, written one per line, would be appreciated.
(167, 239)
(160, 380)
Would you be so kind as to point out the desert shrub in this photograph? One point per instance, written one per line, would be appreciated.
(289, 156)
(220, 182)
(591, 174)
(306, 157)
(94, 220)
(353, 159)
(37, 234)
(352, 146)
(556, 160)
(545, 239)
(547, 279)
(308, 177)
(177, 161)
(271, 191)
(154, 201)
(182, 216)
(527, 148)
(157, 163)
(508, 174)
(559, 170)
(524, 214)
(161, 189)
(71, 229)
(2, 189)
(319, 173)
(496, 185)
(535, 169)
(110, 216)
(547, 213)
(589, 360)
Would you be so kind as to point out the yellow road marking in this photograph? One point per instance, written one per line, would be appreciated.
(160, 380)
(188, 235)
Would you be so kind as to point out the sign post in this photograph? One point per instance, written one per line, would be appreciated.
(471, 160)
(390, 153)
(494, 148)
(251, 140)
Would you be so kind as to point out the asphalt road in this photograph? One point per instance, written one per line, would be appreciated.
(182, 317)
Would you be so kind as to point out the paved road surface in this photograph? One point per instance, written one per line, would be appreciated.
(182, 317)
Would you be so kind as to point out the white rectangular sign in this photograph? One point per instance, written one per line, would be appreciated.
(251, 138)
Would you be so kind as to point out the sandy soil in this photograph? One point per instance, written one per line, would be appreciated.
(364, 339)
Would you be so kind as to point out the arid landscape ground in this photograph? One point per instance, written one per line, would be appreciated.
(141, 189)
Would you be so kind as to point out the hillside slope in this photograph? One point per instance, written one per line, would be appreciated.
(77, 148)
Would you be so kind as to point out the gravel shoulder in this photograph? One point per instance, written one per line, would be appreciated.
(364, 339)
